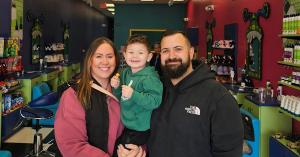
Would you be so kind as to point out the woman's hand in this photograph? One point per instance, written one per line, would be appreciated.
(134, 151)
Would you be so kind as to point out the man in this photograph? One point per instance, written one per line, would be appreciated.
(198, 116)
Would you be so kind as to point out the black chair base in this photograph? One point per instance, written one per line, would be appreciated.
(38, 148)
(42, 154)
(37, 114)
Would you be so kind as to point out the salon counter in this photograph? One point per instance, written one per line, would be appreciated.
(269, 101)
(271, 120)
(238, 92)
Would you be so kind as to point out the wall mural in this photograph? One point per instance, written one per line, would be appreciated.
(36, 36)
(17, 18)
(254, 38)
(66, 37)
(209, 38)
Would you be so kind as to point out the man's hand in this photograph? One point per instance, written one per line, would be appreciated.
(115, 81)
(131, 150)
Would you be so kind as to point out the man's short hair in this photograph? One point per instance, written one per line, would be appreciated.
(173, 32)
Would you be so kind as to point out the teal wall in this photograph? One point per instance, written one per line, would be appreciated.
(147, 16)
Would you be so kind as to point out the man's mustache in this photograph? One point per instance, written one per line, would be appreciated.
(174, 60)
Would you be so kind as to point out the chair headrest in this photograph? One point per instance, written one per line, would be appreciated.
(45, 100)
(39, 90)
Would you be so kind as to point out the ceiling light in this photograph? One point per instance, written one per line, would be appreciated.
(89, 2)
(170, 3)
(113, 13)
(111, 9)
(110, 5)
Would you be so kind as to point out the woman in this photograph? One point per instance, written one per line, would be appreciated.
(87, 121)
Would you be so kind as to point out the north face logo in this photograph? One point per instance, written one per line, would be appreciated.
(193, 110)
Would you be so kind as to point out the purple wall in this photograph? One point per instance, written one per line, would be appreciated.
(5, 15)
(85, 25)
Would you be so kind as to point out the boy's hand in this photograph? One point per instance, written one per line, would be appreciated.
(126, 92)
(115, 81)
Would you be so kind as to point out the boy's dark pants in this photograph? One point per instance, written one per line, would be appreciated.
(129, 136)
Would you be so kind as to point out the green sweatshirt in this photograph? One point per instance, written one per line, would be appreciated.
(146, 96)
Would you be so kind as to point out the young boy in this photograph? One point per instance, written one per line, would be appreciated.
(139, 90)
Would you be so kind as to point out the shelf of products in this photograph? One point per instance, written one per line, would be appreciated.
(223, 44)
(10, 94)
(223, 65)
(291, 36)
(12, 89)
(288, 64)
(289, 114)
(16, 107)
(279, 148)
(224, 48)
(288, 85)
(291, 57)
(12, 100)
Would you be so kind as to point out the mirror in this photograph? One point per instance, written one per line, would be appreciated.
(254, 38)
(253, 59)
(153, 35)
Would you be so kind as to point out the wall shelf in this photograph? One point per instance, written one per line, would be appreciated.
(288, 85)
(220, 48)
(291, 36)
(284, 150)
(12, 89)
(288, 64)
(289, 114)
(13, 110)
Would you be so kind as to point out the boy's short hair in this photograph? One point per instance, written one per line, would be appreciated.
(139, 38)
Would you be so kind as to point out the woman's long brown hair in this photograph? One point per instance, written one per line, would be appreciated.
(84, 88)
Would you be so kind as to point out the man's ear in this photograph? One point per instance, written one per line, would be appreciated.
(192, 51)
(124, 53)
(150, 55)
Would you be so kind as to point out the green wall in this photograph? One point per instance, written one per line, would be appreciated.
(146, 16)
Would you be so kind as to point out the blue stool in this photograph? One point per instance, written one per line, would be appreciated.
(34, 111)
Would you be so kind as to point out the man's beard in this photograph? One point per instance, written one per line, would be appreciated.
(176, 71)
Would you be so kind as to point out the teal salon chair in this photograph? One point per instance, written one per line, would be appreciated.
(5, 153)
(37, 111)
(43, 90)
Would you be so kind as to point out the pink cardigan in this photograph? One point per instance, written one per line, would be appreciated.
(70, 127)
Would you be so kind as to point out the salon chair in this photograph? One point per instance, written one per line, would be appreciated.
(36, 110)
(5, 153)
(251, 134)
(40, 90)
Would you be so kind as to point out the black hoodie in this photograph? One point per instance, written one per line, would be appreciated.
(198, 118)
